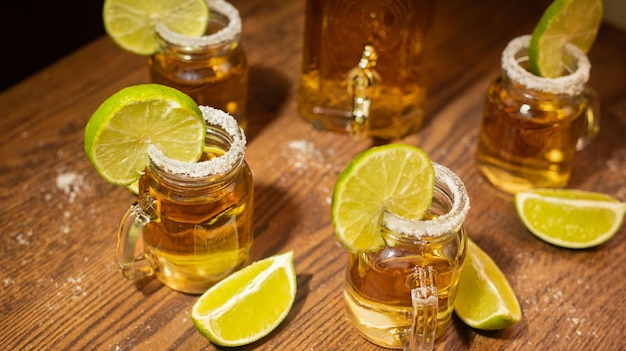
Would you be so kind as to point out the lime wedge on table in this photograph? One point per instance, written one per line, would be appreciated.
(395, 177)
(485, 299)
(249, 303)
(570, 218)
(131, 23)
(119, 131)
(573, 21)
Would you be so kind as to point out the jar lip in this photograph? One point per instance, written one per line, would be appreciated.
(225, 35)
(446, 223)
(571, 84)
(216, 166)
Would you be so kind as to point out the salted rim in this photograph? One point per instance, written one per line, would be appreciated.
(441, 225)
(219, 165)
(226, 34)
(571, 84)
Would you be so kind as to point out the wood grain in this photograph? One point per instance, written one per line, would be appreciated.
(61, 291)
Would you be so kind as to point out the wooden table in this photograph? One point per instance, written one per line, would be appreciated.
(59, 286)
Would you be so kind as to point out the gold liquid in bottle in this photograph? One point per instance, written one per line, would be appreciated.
(336, 33)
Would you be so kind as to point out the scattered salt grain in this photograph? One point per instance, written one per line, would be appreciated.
(70, 183)
(302, 156)
(76, 287)
(21, 240)
(302, 152)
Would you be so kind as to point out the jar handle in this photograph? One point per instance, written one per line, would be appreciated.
(425, 305)
(592, 118)
(130, 253)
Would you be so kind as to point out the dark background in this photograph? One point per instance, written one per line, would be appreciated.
(36, 33)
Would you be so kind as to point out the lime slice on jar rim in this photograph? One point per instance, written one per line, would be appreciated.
(119, 132)
(397, 178)
(564, 21)
(132, 24)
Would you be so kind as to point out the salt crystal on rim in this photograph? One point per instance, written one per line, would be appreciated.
(441, 225)
(226, 34)
(219, 165)
(571, 84)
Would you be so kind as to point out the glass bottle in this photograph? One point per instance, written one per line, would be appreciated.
(362, 67)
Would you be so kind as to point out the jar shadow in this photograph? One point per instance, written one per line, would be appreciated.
(268, 90)
(270, 229)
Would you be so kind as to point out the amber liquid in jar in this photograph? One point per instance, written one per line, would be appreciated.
(532, 126)
(379, 284)
(213, 75)
(378, 289)
(204, 227)
(525, 144)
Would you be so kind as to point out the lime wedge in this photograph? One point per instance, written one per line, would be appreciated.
(119, 131)
(249, 303)
(573, 21)
(131, 23)
(134, 187)
(398, 178)
(570, 218)
(485, 299)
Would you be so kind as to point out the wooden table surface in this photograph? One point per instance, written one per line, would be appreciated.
(60, 289)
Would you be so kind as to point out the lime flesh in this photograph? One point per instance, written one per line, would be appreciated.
(118, 133)
(570, 218)
(397, 178)
(485, 299)
(132, 23)
(564, 21)
(248, 304)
